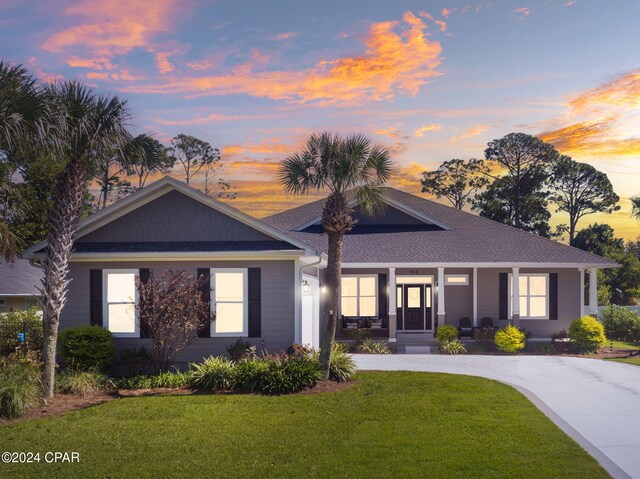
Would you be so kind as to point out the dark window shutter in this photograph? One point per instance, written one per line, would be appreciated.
(95, 297)
(205, 291)
(145, 274)
(255, 303)
(503, 311)
(383, 298)
(553, 296)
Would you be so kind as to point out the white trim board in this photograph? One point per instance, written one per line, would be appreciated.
(158, 189)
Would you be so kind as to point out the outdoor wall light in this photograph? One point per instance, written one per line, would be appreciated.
(305, 286)
(323, 288)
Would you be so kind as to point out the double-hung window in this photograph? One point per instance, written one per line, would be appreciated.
(229, 300)
(534, 296)
(119, 291)
(359, 295)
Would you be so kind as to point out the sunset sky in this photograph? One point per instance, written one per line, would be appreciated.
(432, 80)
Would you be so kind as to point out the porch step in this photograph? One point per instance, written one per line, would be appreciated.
(405, 337)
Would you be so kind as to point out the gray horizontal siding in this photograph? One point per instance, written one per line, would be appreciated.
(277, 278)
(174, 217)
(568, 299)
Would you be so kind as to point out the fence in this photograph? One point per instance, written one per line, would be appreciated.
(20, 332)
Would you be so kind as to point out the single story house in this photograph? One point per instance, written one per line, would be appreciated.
(19, 282)
(418, 265)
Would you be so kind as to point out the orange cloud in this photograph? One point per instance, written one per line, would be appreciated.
(163, 63)
(394, 62)
(93, 63)
(602, 121)
(212, 118)
(266, 146)
(522, 12)
(393, 132)
(113, 27)
(122, 75)
(284, 36)
(442, 25)
(470, 133)
(425, 128)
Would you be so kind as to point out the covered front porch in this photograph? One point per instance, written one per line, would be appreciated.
(400, 303)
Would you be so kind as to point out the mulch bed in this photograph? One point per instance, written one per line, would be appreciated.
(62, 403)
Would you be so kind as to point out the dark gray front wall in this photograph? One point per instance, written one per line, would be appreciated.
(277, 278)
(459, 299)
(174, 217)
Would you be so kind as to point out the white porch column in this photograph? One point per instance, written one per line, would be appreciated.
(581, 291)
(593, 291)
(441, 311)
(475, 297)
(516, 295)
(393, 310)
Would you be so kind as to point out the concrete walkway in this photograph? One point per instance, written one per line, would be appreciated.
(596, 402)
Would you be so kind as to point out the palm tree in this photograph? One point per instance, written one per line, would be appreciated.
(18, 109)
(635, 207)
(347, 167)
(79, 127)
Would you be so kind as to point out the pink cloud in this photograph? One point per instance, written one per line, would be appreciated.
(284, 36)
(393, 62)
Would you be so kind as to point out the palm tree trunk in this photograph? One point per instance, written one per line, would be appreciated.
(334, 267)
(63, 221)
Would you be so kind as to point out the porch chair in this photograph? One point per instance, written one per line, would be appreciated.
(350, 322)
(465, 328)
(487, 323)
(375, 323)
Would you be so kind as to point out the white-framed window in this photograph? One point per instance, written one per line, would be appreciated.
(120, 297)
(456, 279)
(534, 296)
(230, 302)
(359, 295)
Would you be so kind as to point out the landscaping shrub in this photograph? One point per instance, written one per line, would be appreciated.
(136, 359)
(213, 374)
(359, 335)
(446, 333)
(510, 339)
(87, 348)
(369, 346)
(452, 346)
(240, 350)
(288, 374)
(12, 324)
(561, 342)
(297, 349)
(621, 324)
(19, 385)
(249, 373)
(342, 367)
(167, 379)
(587, 334)
(539, 347)
(484, 337)
(81, 383)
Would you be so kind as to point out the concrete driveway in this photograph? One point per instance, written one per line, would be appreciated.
(596, 402)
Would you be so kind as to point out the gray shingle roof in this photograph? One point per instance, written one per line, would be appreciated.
(182, 246)
(469, 239)
(19, 278)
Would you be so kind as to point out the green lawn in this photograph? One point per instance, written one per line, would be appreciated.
(623, 345)
(635, 360)
(388, 425)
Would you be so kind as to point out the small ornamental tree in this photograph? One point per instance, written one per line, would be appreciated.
(172, 310)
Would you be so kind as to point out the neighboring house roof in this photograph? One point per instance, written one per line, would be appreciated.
(460, 237)
(186, 246)
(19, 278)
(160, 188)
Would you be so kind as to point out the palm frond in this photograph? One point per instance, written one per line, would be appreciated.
(635, 207)
(18, 104)
(8, 242)
(371, 199)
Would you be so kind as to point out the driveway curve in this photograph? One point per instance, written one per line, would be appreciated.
(595, 402)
